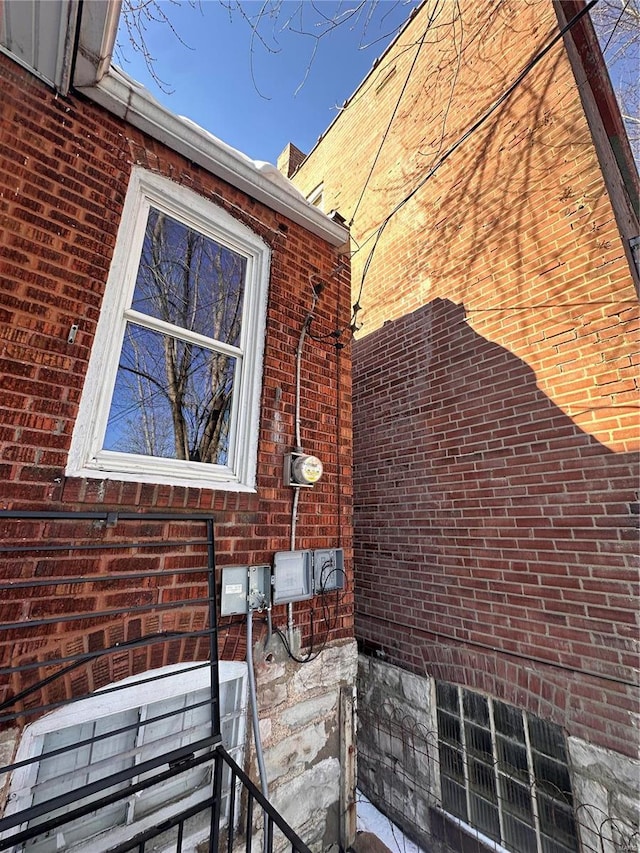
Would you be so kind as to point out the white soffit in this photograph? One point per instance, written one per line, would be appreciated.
(40, 35)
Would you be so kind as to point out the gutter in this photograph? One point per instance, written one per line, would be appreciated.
(97, 79)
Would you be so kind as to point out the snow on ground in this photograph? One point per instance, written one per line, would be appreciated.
(371, 820)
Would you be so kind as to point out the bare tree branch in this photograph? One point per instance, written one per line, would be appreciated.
(267, 22)
(617, 25)
(137, 16)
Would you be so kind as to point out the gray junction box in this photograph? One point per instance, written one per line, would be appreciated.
(245, 588)
(292, 576)
(328, 570)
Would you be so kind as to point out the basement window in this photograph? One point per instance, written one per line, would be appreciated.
(504, 773)
(143, 718)
(172, 391)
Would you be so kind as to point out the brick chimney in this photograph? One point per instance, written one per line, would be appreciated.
(289, 160)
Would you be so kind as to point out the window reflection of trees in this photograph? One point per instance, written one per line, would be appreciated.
(174, 387)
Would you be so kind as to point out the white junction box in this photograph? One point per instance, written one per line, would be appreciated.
(245, 588)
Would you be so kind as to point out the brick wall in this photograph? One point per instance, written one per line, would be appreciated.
(496, 541)
(64, 169)
(495, 379)
(516, 224)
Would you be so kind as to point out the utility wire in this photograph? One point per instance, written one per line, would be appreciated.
(395, 110)
(471, 130)
(615, 26)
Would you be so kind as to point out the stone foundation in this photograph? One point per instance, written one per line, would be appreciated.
(608, 786)
(398, 769)
(397, 745)
(302, 727)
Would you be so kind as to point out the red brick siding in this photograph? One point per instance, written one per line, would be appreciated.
(75, 602)
(64, 169)
(496, 456)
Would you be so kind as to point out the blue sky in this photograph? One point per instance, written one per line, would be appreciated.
(247, 97)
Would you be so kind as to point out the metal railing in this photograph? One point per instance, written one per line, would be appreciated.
(249, 815)
(93, 604)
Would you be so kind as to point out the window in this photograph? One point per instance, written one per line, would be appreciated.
(108, 732)
(504, 773)
(172, 392)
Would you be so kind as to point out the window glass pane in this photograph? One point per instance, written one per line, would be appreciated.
(230, 697)
(508, 721)
(89, 763)
(516, 799)
(557, 822)
(476, 708)
(187, 724)
(77, 766)
(512, 758)
(551, 845)
(447, 697)
(479, 742)
(518, 836)
(454, 799)
(484, 816)
(482, 780)
(190, 280)
(552, 777)
(451, 763)
(546, 738)
(231, 714)
(449, 728)
(171, 399)
(67, 762)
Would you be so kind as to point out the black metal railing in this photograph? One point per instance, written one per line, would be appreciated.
(106, 605)
(214, 827)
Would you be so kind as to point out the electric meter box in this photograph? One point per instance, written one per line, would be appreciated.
(292, 576)
(301, 470)
(328, 570)
(245, 588)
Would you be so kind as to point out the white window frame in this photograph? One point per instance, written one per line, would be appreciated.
(147, 688)
(87, 458)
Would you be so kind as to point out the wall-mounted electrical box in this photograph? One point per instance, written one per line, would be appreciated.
(292, 576)
(328, 570)
(245, 588)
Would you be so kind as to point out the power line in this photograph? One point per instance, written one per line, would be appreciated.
(615, 26)
(432, 17)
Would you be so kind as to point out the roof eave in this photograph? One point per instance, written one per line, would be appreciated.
(98, 80)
